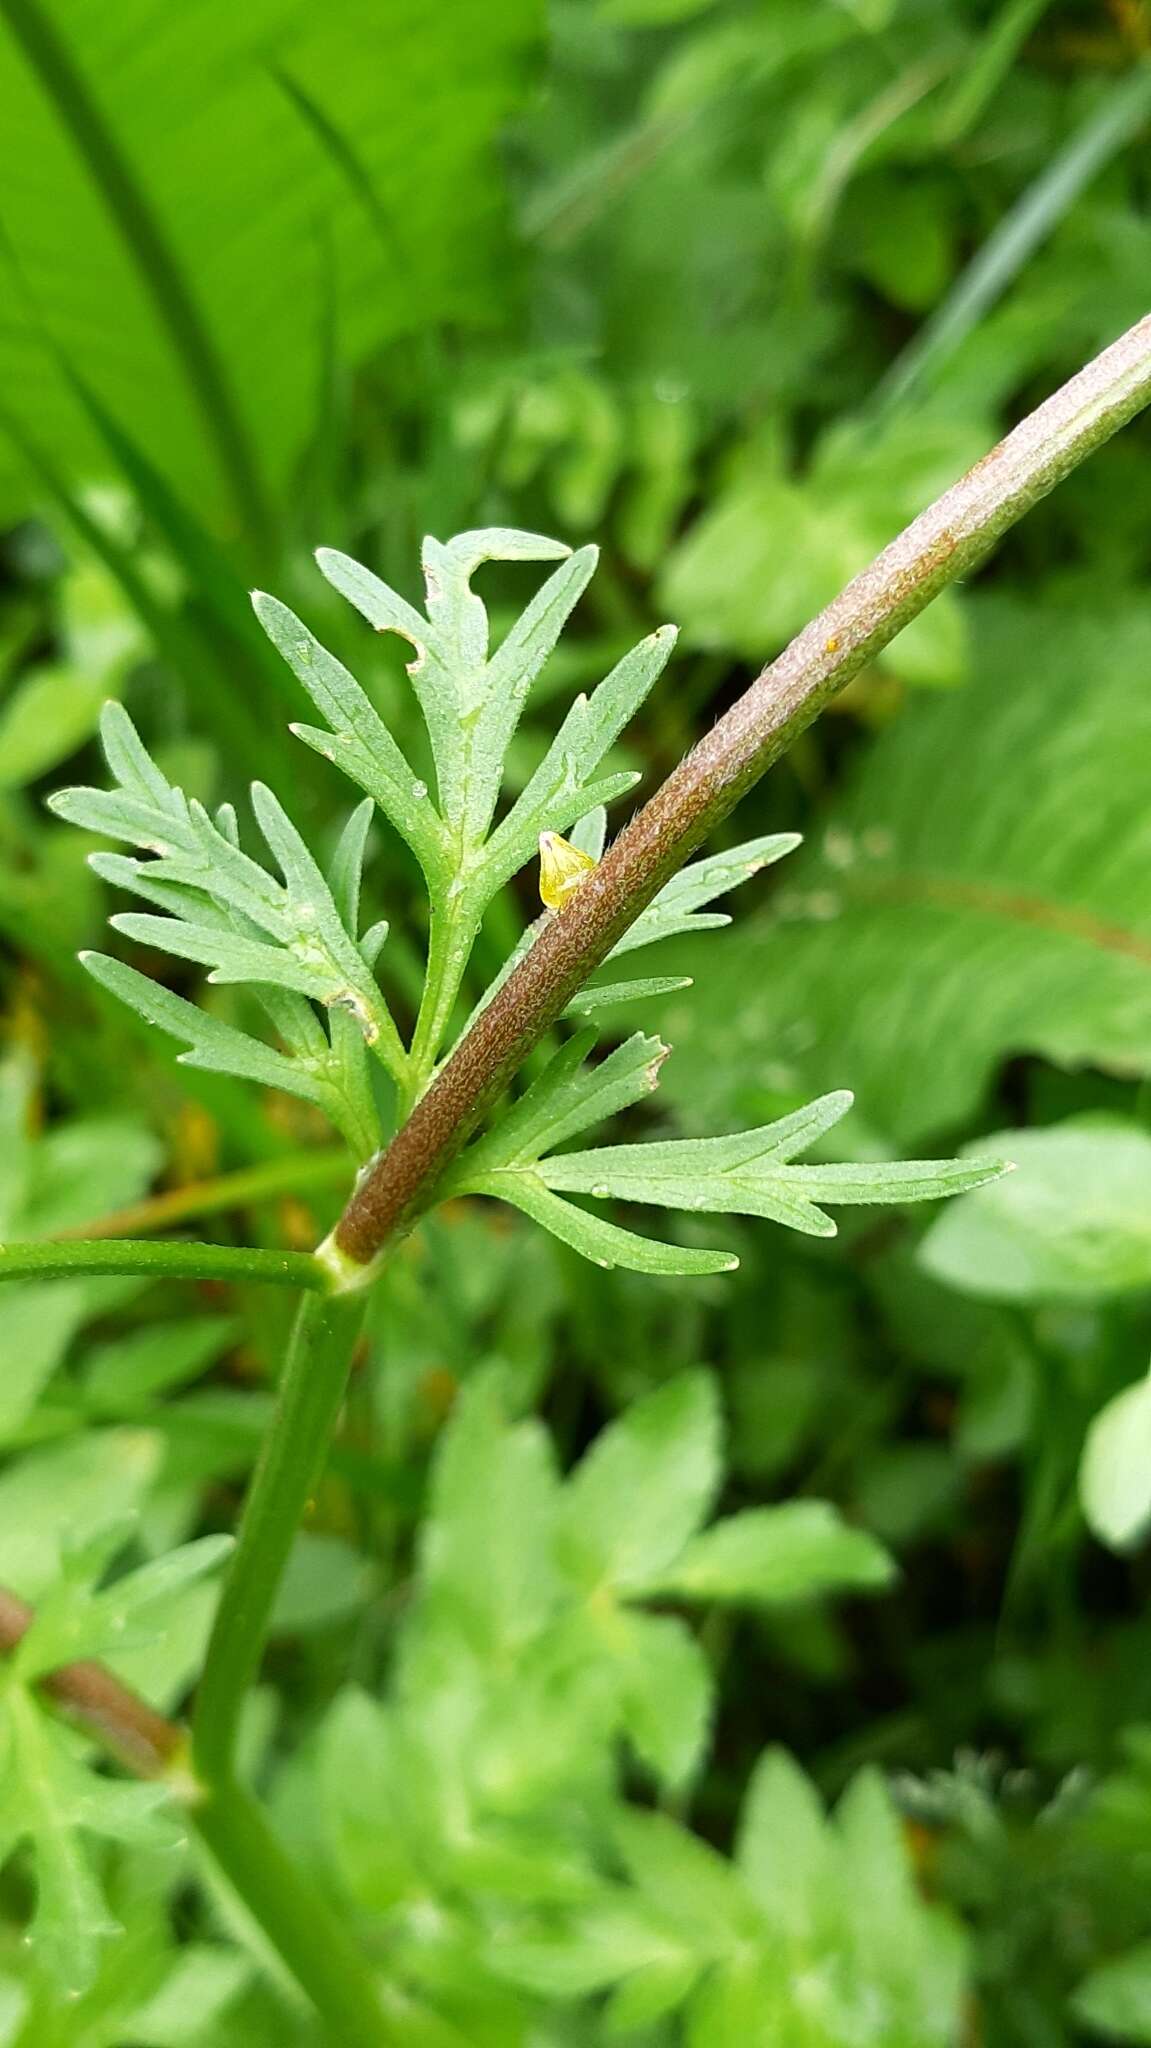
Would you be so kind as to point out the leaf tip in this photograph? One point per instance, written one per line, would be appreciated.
(991, 1169)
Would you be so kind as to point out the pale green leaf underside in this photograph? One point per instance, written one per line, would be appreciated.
(736, 1180)
(471, 698)
(748, 1173)
(679, 906)
(219, 1048)
(357, 738)
(569, 1096)
(605, 1244)
(287, 937)
(606, 995)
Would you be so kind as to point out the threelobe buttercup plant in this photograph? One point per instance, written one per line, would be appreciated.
(296, 938)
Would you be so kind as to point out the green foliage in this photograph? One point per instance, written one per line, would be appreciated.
(979, 924)
(54, 1803)
(76, 1172)
(597, 1757)
(1113, 1481)
(55, 705)
(749, 1174)
(193, 312)
(1071, 1223)
(224, 909)
(733, 586)
(57, 1802)
(1115, 2001)
(527, 1653)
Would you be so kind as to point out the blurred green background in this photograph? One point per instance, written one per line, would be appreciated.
(733, 289)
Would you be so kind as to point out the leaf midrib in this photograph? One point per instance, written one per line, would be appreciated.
(1014, 906)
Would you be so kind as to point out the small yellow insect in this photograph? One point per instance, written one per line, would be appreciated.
(562, 869)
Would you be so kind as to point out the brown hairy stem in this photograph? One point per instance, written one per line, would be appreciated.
(120, 1719)
(943, 543)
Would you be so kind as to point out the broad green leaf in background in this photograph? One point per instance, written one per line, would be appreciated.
(366, 1819)
(487, 1544)
(1073, 1222)
(644, 1487)
(139, 1365)
(772, 549)
(916, 1952)
(48, 1183)
(666, 1691)
(55, 705)
(1115, 1472)
(189, 2005)
(173, 223)
(981, 892)
(781, 1554)
(703, 1896)
(529, 1616)
(784, 1847)
(324, 1581)
(57, 1500)
(1115, 2000)
(766, 1949)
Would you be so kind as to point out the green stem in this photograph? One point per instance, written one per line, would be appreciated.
(450, 938)
(311, 1392)
(292, 1174)
(157, 265)
(296, 1918)
(65, 1260)
(298, 1922)
(390, 1050)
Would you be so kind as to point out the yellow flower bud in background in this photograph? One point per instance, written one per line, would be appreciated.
(562, 868)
